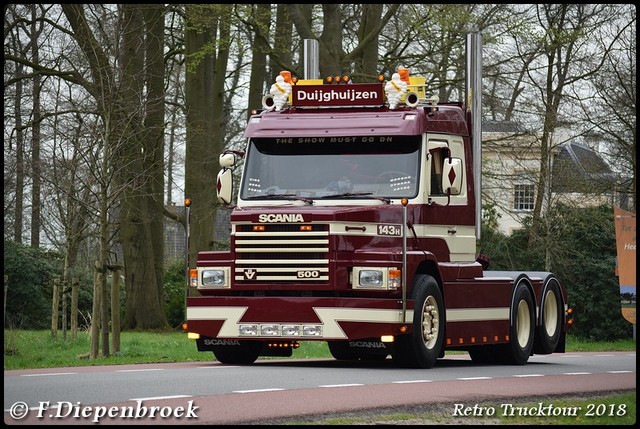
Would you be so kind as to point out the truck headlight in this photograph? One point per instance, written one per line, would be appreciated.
(214, 277)
(376, 278)
(370, 278)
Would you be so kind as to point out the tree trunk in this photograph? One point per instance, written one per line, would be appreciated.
(18, 223)
(36, 173)
(259, 56)
(206, 122)
(141, 230)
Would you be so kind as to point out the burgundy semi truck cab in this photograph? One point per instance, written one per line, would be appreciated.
(355, 223)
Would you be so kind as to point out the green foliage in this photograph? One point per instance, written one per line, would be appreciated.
(588, 272)
(30, 286)
(174, 292)
(579, 247)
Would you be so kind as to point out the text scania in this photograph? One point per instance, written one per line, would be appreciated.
(280, 218)
(349, 95)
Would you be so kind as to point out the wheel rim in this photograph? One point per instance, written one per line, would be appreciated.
(430, 322)
(523, 324)
(550, 313)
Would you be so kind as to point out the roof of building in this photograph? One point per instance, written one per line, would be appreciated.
(578, 168)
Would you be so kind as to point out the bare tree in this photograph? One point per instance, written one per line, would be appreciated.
(207, 42)
(611, 113)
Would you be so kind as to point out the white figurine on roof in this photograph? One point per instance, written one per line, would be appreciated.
(280, 92)
(395, 88)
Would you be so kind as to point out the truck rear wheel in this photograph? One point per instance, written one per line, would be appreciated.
(551, 314)
(244, 353)
(521, 331)
(421, 348)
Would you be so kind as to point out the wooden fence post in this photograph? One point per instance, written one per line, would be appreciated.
(74, 307)
(115, 308)
(55, 302)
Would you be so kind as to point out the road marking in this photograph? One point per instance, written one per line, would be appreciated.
(576, 373)
(51, 373)
(258, 390)
(474, 378)
(618, 372)
(340, 385)
(529, 375)
(217, 366)
(412, 381)
(157, 398)
(140, 370)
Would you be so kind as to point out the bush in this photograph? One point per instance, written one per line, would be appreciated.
(579, 247)
(175, 293)
(30, 285)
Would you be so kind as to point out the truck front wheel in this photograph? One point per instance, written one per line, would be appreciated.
(421, 348)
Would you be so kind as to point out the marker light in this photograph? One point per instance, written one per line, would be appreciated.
(306, 228)
(380, 78)
(337, 79)
(346, 78)
(258, 228)
(294, 79)
(329, 79)
(395, 278)
(187, 202)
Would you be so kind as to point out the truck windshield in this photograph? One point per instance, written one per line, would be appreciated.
(322, 167)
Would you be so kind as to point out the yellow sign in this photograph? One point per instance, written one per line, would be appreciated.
(625, 223)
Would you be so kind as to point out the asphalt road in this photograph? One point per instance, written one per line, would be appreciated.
(212, 393)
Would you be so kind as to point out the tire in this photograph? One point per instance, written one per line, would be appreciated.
(549, 331)
(244, 353)
(421, 348)
(522, 329)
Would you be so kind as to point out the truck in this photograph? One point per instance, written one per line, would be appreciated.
(356, 223)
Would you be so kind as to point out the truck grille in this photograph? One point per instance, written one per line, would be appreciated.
(282, 253)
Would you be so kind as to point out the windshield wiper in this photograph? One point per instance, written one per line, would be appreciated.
(354, 194)
(291, 197)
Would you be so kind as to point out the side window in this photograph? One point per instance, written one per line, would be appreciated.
(436, 172)
(438, 151)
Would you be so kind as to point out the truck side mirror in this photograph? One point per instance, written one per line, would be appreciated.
(224, 185)
(452, 175)
(229, 158)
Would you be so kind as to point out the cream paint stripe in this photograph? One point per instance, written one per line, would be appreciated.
(282, 250)
(254, 242)
(330, 316)
(477, 314)
(282, 270)
(230, 315)
(282, 234)
(281, 261)
(292, 277)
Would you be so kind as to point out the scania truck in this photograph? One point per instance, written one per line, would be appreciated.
(356, 223)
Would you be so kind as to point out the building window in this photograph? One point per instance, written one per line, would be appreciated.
(523, 197)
